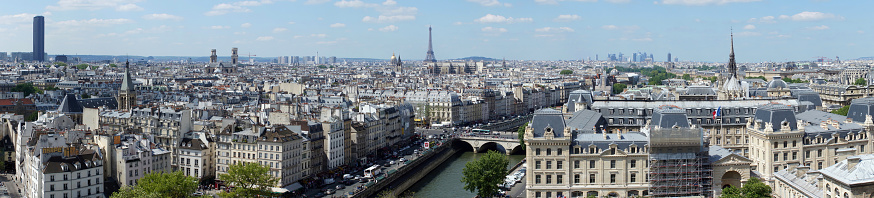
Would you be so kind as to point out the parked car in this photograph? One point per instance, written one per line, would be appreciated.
(340, 187)
(329, 191)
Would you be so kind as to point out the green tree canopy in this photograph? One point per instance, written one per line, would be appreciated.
(323, 66)
(249, 179)
(521, 132)
(861, 81)
(842, 111)
(566, 72)
(483, 175)
(60, 64)
(790, 80)
(618, 88)
(754, 188)
(158, 184)
(757, 77)
(82, 66)
(26, 88)
(687, 77)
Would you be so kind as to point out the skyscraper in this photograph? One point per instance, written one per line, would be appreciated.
(669, 57)
(39, 34)
(429, 57)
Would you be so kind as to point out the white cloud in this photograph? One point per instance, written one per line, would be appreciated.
(119, 5)
(18, 18)
(494, 30)
(240, 6)
(390, 28)
(298, 36)
(389, 3)
(352, 4)
(239, 33)
(811, 16)
(623, 28)
(567, 17)
(647, 39)
(246, 25)
(749, 27)
(704, 2)
(554, 2)
(765, 19)
(264, 38)
(491, 3)
(278, 30)
(313, 2)
(291, 22)
(392, 14)
(92, 22)
(490, 18)
(552, 29)
(338, 25)
(162, 17)
(821, 27)
(618, 1)
(319, 35)
(218, 27)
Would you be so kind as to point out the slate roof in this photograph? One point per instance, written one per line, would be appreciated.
(193, 144)
(718, 152)
(668, 117)
(600, 140)
(776, 114)
(109, 103)
(777, 82)
(861, 107)
(547, 118)
(55, 164)
(70, 105)
(805, 184)
(587, 121)
(863, 172)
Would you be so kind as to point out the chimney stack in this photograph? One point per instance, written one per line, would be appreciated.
(852, 162)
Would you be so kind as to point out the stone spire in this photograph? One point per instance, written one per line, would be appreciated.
(732, 66)
(127, 95)
(126, 84)
(429, 57)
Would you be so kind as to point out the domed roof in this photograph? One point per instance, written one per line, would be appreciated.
(777, 82)
(614, 72)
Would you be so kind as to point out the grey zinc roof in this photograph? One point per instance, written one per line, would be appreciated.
(718, 152)
(862, 172)
(109, 103)
(587, 121)
(667, 117)
(70, 105)
(861, 107)
(807, 186)
(604, 141)
(776, 114)
(700, 90)
(547, 118)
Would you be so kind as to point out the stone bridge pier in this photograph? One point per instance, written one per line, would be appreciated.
(479, 144)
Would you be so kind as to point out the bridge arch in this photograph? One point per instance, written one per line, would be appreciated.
(485, 147)
(517, 150)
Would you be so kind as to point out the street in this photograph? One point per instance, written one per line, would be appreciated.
(7, 186)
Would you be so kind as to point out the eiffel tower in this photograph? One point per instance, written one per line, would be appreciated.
(429, 57)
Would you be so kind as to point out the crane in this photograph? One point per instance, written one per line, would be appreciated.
(250, 57)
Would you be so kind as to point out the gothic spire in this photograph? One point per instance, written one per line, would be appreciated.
(126, 83)
(732, 65)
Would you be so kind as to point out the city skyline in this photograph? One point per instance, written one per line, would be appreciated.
(691, 30)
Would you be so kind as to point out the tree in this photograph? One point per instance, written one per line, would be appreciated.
(82, 66)
(483, 175)
(26, 88)
(159, 184)
(521, 132)
(842, 111)
(32, 117)
(757, 77)
(861, 81)
(2, 157)
(85, 96)
(566, 72)
(618, 88)
(60, 64)
(687, 77)
(754, 188)
(113, 65)
(323, 66)
(249, 179)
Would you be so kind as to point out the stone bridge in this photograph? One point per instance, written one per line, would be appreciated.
(482, 144)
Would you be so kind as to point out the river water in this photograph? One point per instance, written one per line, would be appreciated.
(445, 180)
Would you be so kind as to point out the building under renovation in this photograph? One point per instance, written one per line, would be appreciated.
(679, 163)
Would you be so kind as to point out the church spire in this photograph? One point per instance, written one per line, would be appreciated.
(126, 84)
(732, 65)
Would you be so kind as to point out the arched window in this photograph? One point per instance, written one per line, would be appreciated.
(537, 152)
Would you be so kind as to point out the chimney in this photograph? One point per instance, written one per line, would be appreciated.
(823, 125)
(852, 161)
(213, 57)
(234, 56)
(800, 171)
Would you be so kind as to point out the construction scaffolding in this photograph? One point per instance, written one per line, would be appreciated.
(679, 165)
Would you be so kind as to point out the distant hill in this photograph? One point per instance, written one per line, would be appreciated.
(866, 58)
(477, 58)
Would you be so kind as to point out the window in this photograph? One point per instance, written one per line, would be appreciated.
(612, 163)
(537, 179)
(591, 163)
(633, 178)
(558, 164)
(537, 194)
(785, 156)
(558, 179)
(775, 144)
(559, 151)
(794, 155)
(577, 164)
(633, 163)
(612, 178)
(793, 143)
(576, 178)
(776, 156)
(819, 153)
(52, 187)
(807, 154)
(548, 151)
(785, 144)
(537, 152)
(548, 164)
(536, 165)
(549, 179)
(591, 178)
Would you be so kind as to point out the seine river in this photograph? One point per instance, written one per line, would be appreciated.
(445, 180)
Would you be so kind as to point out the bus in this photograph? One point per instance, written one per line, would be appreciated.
(373, 171)
(481, 132)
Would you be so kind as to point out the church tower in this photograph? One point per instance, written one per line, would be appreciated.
(127, 95)
(732, 88)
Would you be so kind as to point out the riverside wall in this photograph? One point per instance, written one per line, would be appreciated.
(399, 181)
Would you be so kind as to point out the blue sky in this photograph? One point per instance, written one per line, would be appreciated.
(765, 30)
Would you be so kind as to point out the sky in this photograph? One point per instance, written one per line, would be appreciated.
(691, 30)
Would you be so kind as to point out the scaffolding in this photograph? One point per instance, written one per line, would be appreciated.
(679, 164)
